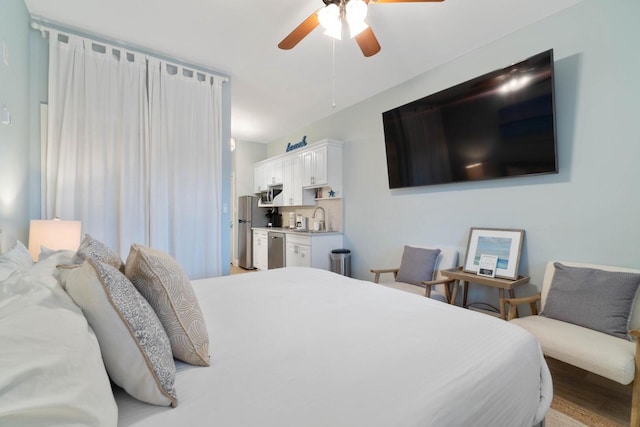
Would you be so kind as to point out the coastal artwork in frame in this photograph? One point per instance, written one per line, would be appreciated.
(505, 244)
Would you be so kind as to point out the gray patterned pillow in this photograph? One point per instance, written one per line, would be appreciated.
(161, 280)
(596, 299)
(134, 345)
(91, 248)
(417, 264)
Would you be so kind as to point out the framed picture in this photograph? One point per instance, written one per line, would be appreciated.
(505, 244)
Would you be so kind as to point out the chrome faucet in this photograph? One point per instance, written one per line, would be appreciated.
(322, 227)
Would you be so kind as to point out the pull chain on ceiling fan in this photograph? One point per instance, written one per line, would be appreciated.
(333, 17)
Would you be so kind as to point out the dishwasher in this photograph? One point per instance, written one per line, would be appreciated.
(277, 250)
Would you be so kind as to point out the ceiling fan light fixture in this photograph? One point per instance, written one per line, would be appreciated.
(329, 18)
(334, 32)
(357, 27)
(356, 12)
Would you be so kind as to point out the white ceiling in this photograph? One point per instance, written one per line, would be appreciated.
(274, 92)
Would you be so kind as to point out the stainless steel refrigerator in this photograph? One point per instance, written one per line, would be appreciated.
(249, 215)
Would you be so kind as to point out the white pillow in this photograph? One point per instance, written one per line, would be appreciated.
(15, 259)
(51, 369)
(135, 346)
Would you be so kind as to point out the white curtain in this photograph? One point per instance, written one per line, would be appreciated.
(185, 167)
(98, 138)
(134, 151)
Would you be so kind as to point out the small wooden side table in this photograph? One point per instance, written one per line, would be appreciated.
(465, 278)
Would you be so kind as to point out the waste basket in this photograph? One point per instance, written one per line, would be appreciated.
(341, 261)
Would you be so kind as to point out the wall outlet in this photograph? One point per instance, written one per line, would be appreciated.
(5, 116)
(5, 53)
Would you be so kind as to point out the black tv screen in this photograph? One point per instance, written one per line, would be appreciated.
(501, 124)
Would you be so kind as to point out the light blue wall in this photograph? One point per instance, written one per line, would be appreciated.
(589, 212)
(15, 138)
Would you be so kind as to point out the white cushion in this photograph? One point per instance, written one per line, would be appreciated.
(585, 348)
(51, 370)
(437, 292)
(448, 259)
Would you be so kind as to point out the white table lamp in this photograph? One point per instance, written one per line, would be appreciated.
(53, 234)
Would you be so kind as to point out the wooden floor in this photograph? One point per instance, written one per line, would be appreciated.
(239, 270)
(606, 398)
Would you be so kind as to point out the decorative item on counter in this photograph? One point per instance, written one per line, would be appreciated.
(332, 193)
(318, 193)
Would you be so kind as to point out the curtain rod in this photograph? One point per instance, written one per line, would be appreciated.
(44, 25)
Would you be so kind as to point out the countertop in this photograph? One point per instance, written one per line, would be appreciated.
(294, 231)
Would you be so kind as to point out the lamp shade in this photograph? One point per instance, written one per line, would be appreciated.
(53, 234)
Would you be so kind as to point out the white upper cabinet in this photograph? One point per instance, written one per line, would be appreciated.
(322, 166)
(314, 172)
(259, 178)
(292, 191)
(273, 172)
(267, 173)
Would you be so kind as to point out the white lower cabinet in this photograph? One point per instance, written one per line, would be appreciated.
(260, 249)
(311, 250)
(298, 255)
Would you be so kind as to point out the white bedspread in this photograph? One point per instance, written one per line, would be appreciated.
(304, 347)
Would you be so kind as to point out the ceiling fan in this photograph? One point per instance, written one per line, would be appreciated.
(332, 17)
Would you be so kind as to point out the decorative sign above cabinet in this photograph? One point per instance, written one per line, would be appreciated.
(302, 143)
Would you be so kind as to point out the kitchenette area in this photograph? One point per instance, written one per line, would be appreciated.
(295, 217)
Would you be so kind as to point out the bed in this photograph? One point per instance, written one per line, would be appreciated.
(298, 347)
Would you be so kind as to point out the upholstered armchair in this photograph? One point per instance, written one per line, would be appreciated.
(419, 272)
(589, 318)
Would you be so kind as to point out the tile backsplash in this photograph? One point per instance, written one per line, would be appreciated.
(333, 210)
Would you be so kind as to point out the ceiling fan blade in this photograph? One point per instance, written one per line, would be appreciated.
(406, 1)
(300, 32)
(368, 42)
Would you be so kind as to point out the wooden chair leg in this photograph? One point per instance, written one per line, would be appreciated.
(454, 293)
(447, 292)
(503, 315)
(427, 291)
(635, 421)
(635, 397)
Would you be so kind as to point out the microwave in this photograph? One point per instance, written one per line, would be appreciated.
(271, 197)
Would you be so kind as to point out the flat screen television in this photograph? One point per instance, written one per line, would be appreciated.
(501, 124)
